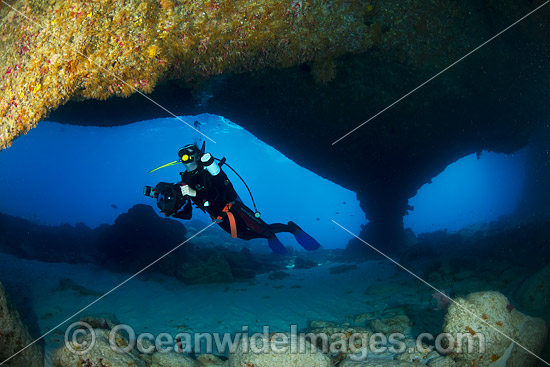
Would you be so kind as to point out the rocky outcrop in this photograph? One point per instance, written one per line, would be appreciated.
(27, 240)
(268, 351)
(100, 345)
(209, 360)
(116, 48)
(125, 245)
(214, 270)
(137, 239)
(492, 326)
(378, 363)
(172, 360)
(441, 362)
(395, 324)
(534, 293)
(100, 353)
(14, 336)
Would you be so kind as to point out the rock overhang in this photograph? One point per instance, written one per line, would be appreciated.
(300, 75)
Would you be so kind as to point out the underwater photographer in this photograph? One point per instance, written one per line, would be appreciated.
(205, 185)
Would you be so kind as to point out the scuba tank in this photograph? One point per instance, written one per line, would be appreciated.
(209, 163)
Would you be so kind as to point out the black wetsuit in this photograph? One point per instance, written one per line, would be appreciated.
(213, 194)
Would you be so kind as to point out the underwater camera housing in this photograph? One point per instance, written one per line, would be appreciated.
(168, 195)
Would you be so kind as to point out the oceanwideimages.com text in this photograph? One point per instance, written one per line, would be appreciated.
(80, 338)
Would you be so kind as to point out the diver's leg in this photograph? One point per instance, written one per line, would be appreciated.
(305, 240)
(275, 245)
(249, 227)
(279, 227)
(248, 219)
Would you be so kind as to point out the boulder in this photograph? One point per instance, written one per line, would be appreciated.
(173, 360)
(413, 354)
(137, 239)
(441, 361)
(362, 318)
(532, 335)
(340, 337)
(102, 321)
(215, 270)
(99, 355)
(396, 324)
(209, 360)
(236, 259)
(377, 363)
(15, 336)
(492, 321)
(276, 352)
(534, 293)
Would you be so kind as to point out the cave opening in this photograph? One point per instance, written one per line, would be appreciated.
(475, 190)
(74, 174)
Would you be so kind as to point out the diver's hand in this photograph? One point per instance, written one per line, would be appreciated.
(187, 191)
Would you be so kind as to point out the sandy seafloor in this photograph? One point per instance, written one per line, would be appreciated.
(156, 303)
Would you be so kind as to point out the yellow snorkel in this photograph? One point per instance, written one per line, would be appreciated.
(166, 165)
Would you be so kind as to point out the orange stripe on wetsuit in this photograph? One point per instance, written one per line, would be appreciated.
(231, 217)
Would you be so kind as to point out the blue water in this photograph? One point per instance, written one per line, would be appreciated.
(469, 191)
(69, 174)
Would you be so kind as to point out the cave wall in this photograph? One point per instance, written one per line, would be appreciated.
(492, 100)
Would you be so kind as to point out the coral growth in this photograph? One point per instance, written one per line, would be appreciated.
(53, 51)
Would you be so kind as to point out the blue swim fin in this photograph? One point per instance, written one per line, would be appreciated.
(305, 240)
(276, 246)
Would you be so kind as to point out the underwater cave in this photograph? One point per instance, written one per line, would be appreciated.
(411, 141)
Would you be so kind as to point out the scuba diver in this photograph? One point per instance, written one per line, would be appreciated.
(206, 185)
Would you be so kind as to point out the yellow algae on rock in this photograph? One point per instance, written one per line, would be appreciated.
(54, 51)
